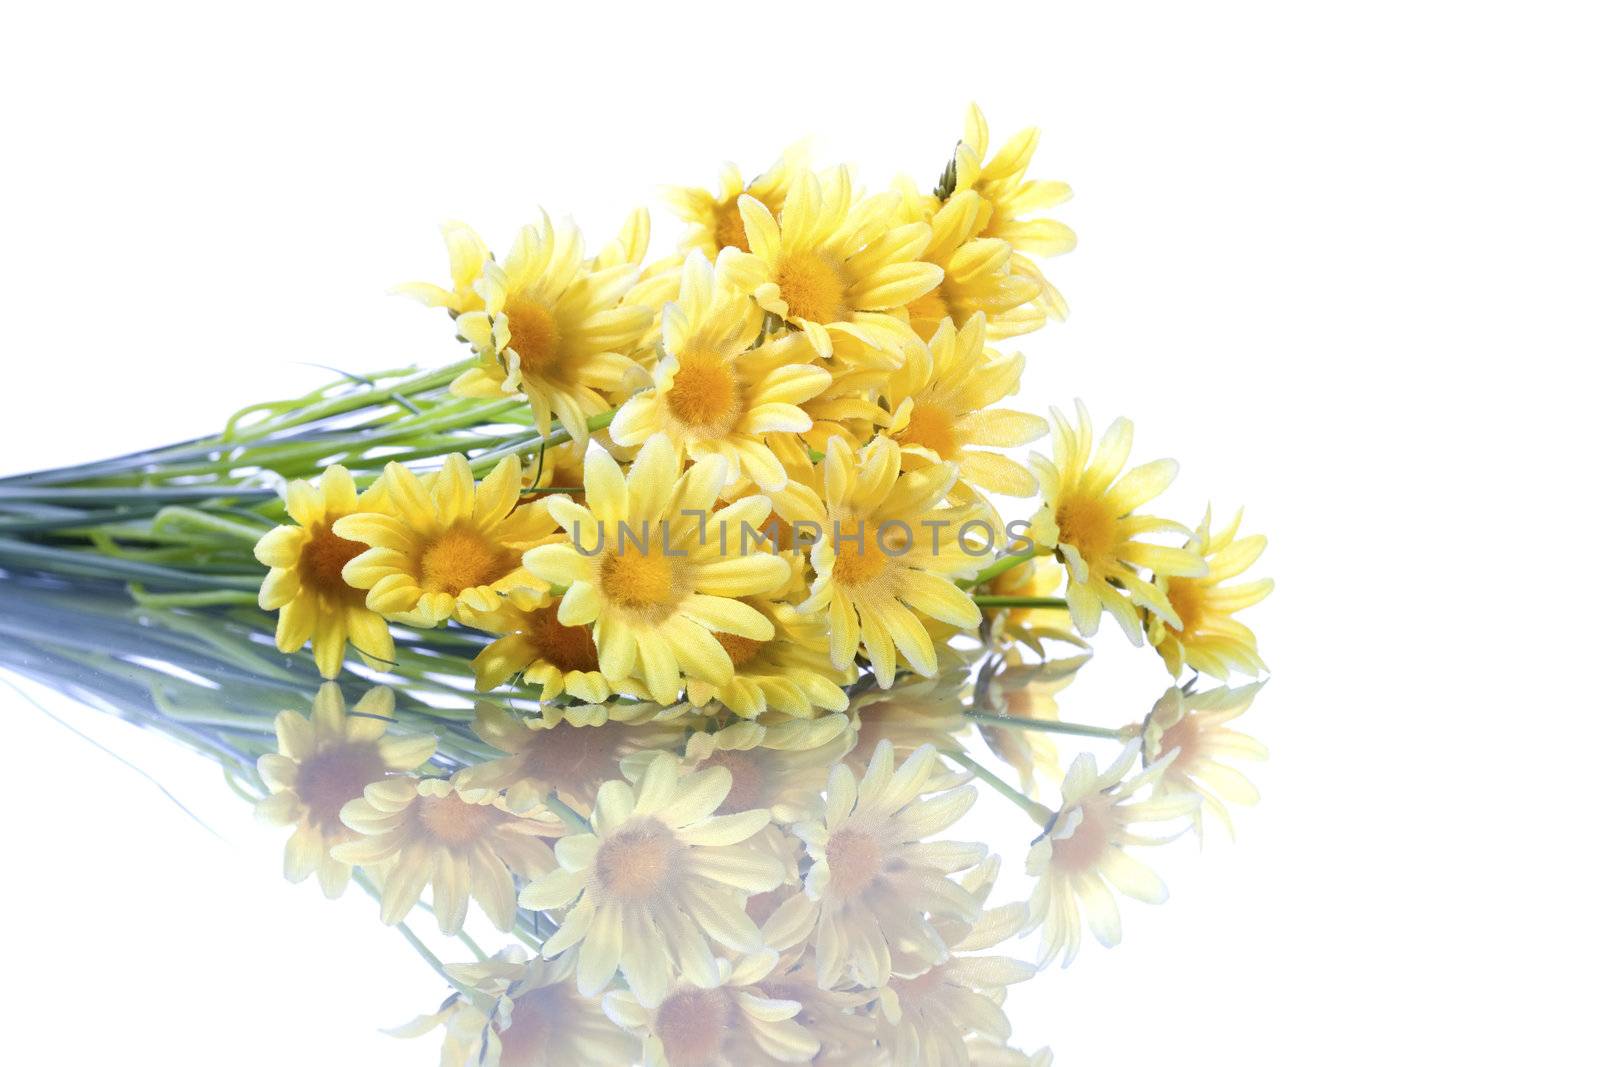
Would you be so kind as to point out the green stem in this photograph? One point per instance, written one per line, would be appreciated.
(1049, 726)
(1036, 811)
(568, 816)
(1020, 602)
(999, 567)
(560, 435)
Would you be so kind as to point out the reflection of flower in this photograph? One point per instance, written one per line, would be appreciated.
(734, 1023)
(874, 878)
(1028, 691)
(322, 764)
(1211, 639)
(306, 585)
(1088, 519)
(1083, 851)
(539, 1018)
(909, 714)
(782, 767)
(1192, 727)
(657, 876)
(466, 842)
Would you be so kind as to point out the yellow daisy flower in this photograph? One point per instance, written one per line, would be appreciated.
(1030, 626)
(446, 548)
(659, 874)
(1190, 728)
(789, 672)
(711, 393)
(1083, 849)
(305, 584)
(978, 279)
(875, 879)
(833, 265)
(468, 254)
(1002, 182)
(1211, 640)
(552, 329)
(539, 650)
(882, 559)
(713, 217)
(539, 1018)
(567, 750)
(1088, 519)
(466, 842)
(659, 573)
(940, 399)
(323, 763)
(734, 1023)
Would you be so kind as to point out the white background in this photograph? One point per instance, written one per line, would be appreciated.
(1339, 259)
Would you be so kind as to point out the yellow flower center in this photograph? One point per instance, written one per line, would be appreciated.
(813, 286)
(706, 395)
(692, 1025)
(639, 862)
(727, 226)
(454, 823)
(1188, 600)
(1083, 850)
(1088, 526)
(855, 860)
(331, 777)
(857, 564)
(535, 333)
(642, 581)
(933, 426)
(567, 648)
(928, 310)
(740, 650)
(323, 558)
(462, 558)
(749, 781)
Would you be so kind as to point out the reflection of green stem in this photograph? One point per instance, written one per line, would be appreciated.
(1036, 811)
(1047, 725)
(568, 816)
(479, 1001)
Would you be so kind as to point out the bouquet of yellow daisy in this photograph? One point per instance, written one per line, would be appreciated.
(670, 634)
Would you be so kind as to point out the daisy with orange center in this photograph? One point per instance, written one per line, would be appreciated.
(323, 763)
(789, 672)
(1088, 519)
(552, 328)
(567, 750)
(1189, 730)
(830, 264)
(1084, 849)
(658, 876)
(978, 279)
(941, 403)
(305, 584)
(713, 217)
(1211, 640)
(735, 1023)
(536, 648)
(447, 548)
(538, 1018)
(888, 553)
(660, 569)
(875, 879)
(712, 393)
(465, 842)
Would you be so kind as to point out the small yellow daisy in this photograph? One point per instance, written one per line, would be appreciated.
(539, 650)
(978, 278)
(1030, 627)
(1088, 519)
(322, 764)
(832, 264)
(789, 672)
(446, 548)
(468, 254)
(713, 217)
(659, 574)
(1211, 640)
(305, 584)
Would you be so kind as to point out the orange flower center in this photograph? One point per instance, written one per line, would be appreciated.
(927, 311)
(640, 580)
(567, 648)
(706, 395)
(535, 333)
(855, 860)
(462, 558)
(454, 823)
(323, 559)
(692, 1025)
(813, 285)
(860, 562)
(1188, 600)
(728, 226)
(331, 777)
(639, 862)
(933, 426)
(740, 650)
(1087, 525)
